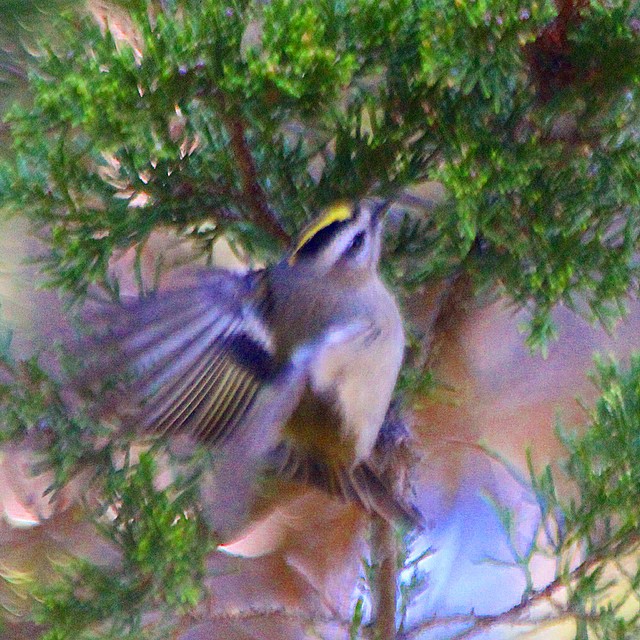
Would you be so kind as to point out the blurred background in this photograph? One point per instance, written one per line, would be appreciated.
(302, 569)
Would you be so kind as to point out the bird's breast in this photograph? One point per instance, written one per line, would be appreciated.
(364, 386)
(360, 377)
(350, 386)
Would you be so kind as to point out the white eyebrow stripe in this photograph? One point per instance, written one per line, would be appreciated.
(341, 244)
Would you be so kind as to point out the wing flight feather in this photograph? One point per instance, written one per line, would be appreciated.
(196, 358)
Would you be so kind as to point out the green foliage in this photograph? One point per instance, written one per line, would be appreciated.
(476, 48)
(240, 119)
(31, 404)
(301, 55)
(415, 251)
(162, 548)
(209, 114)
(6, 338)
(356, 619)
(555, 213)
(157, 541)
(604, 462)
(594, 536)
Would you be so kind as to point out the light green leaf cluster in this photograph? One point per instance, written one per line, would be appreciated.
(159, 549)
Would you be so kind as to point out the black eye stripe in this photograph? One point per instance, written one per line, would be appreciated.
(321, 239)
(356, 243)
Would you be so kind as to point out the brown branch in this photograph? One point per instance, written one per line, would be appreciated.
(186, 190)
(384, 588)
(549, 55)
(253, 193)
(453, 302)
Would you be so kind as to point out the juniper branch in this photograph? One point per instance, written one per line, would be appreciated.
(252, 192)
(384, 560)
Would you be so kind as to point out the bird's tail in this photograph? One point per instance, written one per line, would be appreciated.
(362, 484)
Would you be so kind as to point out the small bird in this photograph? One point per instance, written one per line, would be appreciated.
(290, 367)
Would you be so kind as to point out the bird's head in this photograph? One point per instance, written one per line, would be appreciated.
(345, 239)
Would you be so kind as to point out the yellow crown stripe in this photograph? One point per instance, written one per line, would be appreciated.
(337, 213)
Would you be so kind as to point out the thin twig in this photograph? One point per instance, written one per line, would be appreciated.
(517, 614)
(384, 588)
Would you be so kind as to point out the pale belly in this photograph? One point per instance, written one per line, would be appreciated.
(361, 377)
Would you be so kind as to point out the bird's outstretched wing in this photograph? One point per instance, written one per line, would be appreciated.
(194, 360)
(200, 362)
(199, 359)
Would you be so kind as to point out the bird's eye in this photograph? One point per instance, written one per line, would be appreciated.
(356, 243)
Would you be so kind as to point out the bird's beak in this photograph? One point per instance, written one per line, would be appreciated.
(379, 211)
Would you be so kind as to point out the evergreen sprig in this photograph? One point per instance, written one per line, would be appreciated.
(33, 409)
(593, 536)
(160, 545)
(157, 540)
